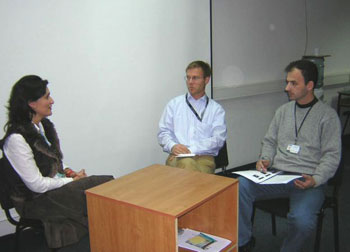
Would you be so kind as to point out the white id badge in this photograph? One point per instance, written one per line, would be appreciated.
(292, 148)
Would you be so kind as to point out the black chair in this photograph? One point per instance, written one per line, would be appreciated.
(280, 207)
(347, 114)
(7, 204)
(221, 160)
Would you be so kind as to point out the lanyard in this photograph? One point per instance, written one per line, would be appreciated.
(194, 111)
(302, 122)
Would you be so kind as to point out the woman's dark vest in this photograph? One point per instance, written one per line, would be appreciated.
(47, 157)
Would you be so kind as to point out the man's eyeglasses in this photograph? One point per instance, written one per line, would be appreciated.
(194, 78)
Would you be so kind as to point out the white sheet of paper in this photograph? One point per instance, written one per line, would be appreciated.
(186, 155)
(268, 177)
(257, 176)
(280, 179)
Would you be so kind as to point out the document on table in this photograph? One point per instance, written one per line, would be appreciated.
(270, 177)
(199, 241)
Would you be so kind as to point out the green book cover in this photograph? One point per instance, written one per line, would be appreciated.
(201, 241)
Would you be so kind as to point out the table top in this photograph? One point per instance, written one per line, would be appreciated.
(168, 190)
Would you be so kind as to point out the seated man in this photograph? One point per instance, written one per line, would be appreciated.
(304, 137)
(193, 124)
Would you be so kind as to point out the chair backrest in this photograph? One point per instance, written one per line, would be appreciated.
(5, 199)
(221, 160)
(336, 181)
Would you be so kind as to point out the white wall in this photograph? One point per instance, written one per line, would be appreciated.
(112, 67)
(245, 130)
(254, 40)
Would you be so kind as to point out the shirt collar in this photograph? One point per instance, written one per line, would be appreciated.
(39, 127)
(202, 99)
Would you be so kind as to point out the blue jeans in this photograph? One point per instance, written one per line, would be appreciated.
(302, 218)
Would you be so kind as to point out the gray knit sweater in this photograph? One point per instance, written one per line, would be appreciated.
(319, 139)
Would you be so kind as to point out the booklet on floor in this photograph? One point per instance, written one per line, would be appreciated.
(199, 241)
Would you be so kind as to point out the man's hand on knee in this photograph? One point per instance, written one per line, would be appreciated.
(307, 183)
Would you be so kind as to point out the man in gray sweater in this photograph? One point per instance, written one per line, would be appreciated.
(304, 137)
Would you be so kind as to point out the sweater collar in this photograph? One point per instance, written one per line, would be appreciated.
(313, 102)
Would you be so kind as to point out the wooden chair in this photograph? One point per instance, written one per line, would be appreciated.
(221, 160)
(280, 207)
(7, 204)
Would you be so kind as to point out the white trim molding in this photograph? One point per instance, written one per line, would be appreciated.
(223, 93)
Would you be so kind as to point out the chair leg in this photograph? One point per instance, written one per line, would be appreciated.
(253, 215)
(318, 230)
(224, 170)
(17, 238)
(336, 227)
(15, 244)
(273, 223)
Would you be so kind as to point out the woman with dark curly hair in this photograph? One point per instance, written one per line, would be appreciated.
(42, 186)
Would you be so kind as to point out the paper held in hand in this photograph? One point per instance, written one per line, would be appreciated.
(270, 177)
(186, 155)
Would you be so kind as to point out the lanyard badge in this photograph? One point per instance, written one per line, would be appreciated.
(195, 112)
(293, 148)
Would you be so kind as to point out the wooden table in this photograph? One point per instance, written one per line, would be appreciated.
(142, 211)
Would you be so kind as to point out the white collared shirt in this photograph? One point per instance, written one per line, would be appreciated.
(179, 125)
(21, 157)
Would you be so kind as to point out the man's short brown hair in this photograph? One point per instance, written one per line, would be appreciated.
(202, 65)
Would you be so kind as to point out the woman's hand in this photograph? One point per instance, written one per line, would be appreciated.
(80, 174)
(75, 175)
(69, 173)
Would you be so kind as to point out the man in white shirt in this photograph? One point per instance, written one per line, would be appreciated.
(192, 128)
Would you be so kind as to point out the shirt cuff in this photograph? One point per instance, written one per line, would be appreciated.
(317, 180)
(170, 146)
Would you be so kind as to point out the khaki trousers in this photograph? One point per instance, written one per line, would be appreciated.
(204, 163)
